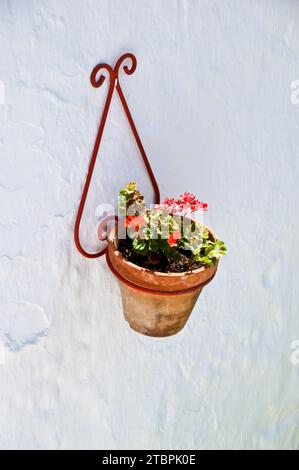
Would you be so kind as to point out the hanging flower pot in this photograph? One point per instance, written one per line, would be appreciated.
(161, 256)
(162, 261)
(156, 303)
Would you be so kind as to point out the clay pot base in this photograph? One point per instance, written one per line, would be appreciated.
(155, 315)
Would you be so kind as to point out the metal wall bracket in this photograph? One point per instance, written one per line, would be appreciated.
(114, 83)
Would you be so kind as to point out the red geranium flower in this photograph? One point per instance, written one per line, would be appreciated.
(184, 204)
(135, 221)
(173, 237)
(128, 220)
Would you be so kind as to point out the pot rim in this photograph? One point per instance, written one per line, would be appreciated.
(112, 241)
(152, 291)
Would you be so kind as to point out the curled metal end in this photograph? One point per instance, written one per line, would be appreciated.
(104, 229)
(128, 69)
(97, 82)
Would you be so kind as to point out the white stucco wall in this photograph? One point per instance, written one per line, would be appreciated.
(211, 99)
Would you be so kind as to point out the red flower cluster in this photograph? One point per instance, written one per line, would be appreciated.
(135, 221)
(173, 237)
(185, 203)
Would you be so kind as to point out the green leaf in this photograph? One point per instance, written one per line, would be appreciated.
(123, 193)
(210, 252)
(218, 250)
(140, 246)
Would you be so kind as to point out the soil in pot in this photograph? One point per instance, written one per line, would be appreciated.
(159, 262)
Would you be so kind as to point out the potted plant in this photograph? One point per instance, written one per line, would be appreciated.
(163, 256)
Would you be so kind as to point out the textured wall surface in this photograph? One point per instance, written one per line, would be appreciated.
(211, 98)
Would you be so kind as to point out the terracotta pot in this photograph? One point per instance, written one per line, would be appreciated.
(154, 303)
